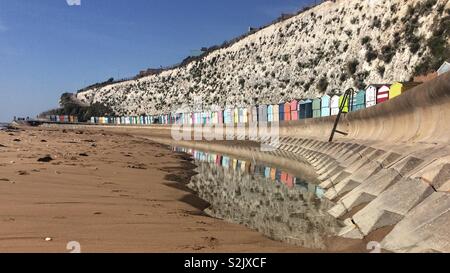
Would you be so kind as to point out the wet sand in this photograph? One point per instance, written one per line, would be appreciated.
(111, 192)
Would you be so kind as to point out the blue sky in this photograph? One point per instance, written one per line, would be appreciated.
(48, 47)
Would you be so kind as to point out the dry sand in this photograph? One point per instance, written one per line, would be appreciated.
(111, 192)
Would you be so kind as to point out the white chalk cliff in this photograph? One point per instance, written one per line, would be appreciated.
(336, 45)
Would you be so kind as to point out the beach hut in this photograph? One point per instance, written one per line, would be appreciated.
(300, 108)
(262, 113)
(236, 115)
(281, 112)
(325, 106)
(306, 109)
(249, 114)
(371, 96)
(220, 117)
(334, 105)
(294, 110)
(225, 162)
(244, 115)
(231, 116)
(283, 177)
(397, 88)
(290, 181)
(196, 118)
(359, 100)
(317, 108)
(225, 116)
(217, 117)
(346, 104)
(276, 113)
(273, 173)
(287, 111)
(278, 175)
(383, 93)
(254, 114)
(270, 113)
(204, 118)
(267, 172)
(445, 67)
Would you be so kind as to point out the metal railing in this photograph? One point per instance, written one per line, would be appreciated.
(348, 97)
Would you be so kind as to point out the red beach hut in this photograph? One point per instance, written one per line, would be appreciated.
(287, 111)
(294, 112)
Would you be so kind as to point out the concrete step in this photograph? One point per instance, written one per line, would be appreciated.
(424, 229)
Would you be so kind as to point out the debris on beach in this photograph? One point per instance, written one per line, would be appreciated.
(46, 158)
(138, 166)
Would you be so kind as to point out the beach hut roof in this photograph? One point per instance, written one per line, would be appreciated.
(445, 67)
(378, 85)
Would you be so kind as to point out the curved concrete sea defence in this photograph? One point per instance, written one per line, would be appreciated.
(391, 171)
(390, 174)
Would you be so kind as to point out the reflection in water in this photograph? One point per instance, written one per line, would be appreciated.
(274, 174)
(274, 202)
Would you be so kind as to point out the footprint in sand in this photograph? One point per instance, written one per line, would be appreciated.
(211, 241)
(23, 173)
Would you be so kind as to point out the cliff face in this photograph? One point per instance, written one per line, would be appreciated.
(349, 43)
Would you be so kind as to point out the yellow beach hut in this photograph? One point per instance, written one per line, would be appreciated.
(398, 88)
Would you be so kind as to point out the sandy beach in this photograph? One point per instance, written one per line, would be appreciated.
(109, 192)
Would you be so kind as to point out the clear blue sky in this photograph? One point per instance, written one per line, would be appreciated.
(48, 47)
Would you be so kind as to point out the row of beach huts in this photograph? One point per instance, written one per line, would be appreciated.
(293, 110)
(62, 118)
